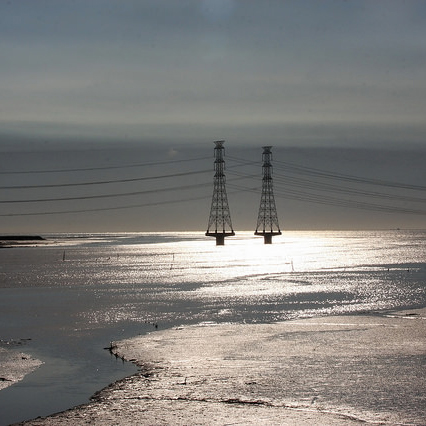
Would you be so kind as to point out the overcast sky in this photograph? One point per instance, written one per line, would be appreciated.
(183, 73)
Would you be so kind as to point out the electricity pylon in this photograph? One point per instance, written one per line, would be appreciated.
(220, 225)
(267, 220)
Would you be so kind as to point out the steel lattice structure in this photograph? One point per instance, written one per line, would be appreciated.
(267, 220)
(220, 225)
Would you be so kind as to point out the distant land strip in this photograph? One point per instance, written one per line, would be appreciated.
(9, 241)
(21, 238)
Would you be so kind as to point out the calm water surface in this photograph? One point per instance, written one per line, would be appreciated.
(74, 295)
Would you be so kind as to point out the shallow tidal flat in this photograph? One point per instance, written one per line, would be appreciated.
(327, 370)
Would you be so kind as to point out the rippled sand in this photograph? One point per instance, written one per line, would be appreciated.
(328, 371)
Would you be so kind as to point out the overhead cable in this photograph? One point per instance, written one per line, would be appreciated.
(92, 197)
(83, 169)
(61, 185)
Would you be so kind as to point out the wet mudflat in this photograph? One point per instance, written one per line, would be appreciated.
(71, 297)
(14, 365)
(325, 370)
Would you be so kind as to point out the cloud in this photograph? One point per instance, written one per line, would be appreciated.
(155, 69)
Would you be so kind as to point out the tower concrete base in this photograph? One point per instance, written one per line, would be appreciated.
(220, 240)
(220, 236)
(267, 239)
(267, 236)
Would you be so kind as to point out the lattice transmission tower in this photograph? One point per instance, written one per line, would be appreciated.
(267, 220)
(220, 225)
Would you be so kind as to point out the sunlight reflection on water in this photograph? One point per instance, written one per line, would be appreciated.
(116, 286)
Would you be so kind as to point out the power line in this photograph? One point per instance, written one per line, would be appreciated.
(97, 209)
(328, 200)
(311, 171)
(339, 202)
(92, 197)
(83, 169)
(303, 183)
(103, 182)
(296, 178)
(315, 185)
(344, 177)
(299, 187)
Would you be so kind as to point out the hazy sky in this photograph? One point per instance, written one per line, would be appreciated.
(166, 78)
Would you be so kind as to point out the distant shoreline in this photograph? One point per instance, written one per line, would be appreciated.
(7, 241)
(21, 238)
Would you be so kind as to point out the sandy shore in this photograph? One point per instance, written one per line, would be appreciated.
(14, 366)
(327, 371)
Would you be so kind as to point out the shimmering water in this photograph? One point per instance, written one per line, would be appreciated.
(74, 295)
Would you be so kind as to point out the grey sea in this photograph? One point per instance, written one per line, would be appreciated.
(64, 301)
